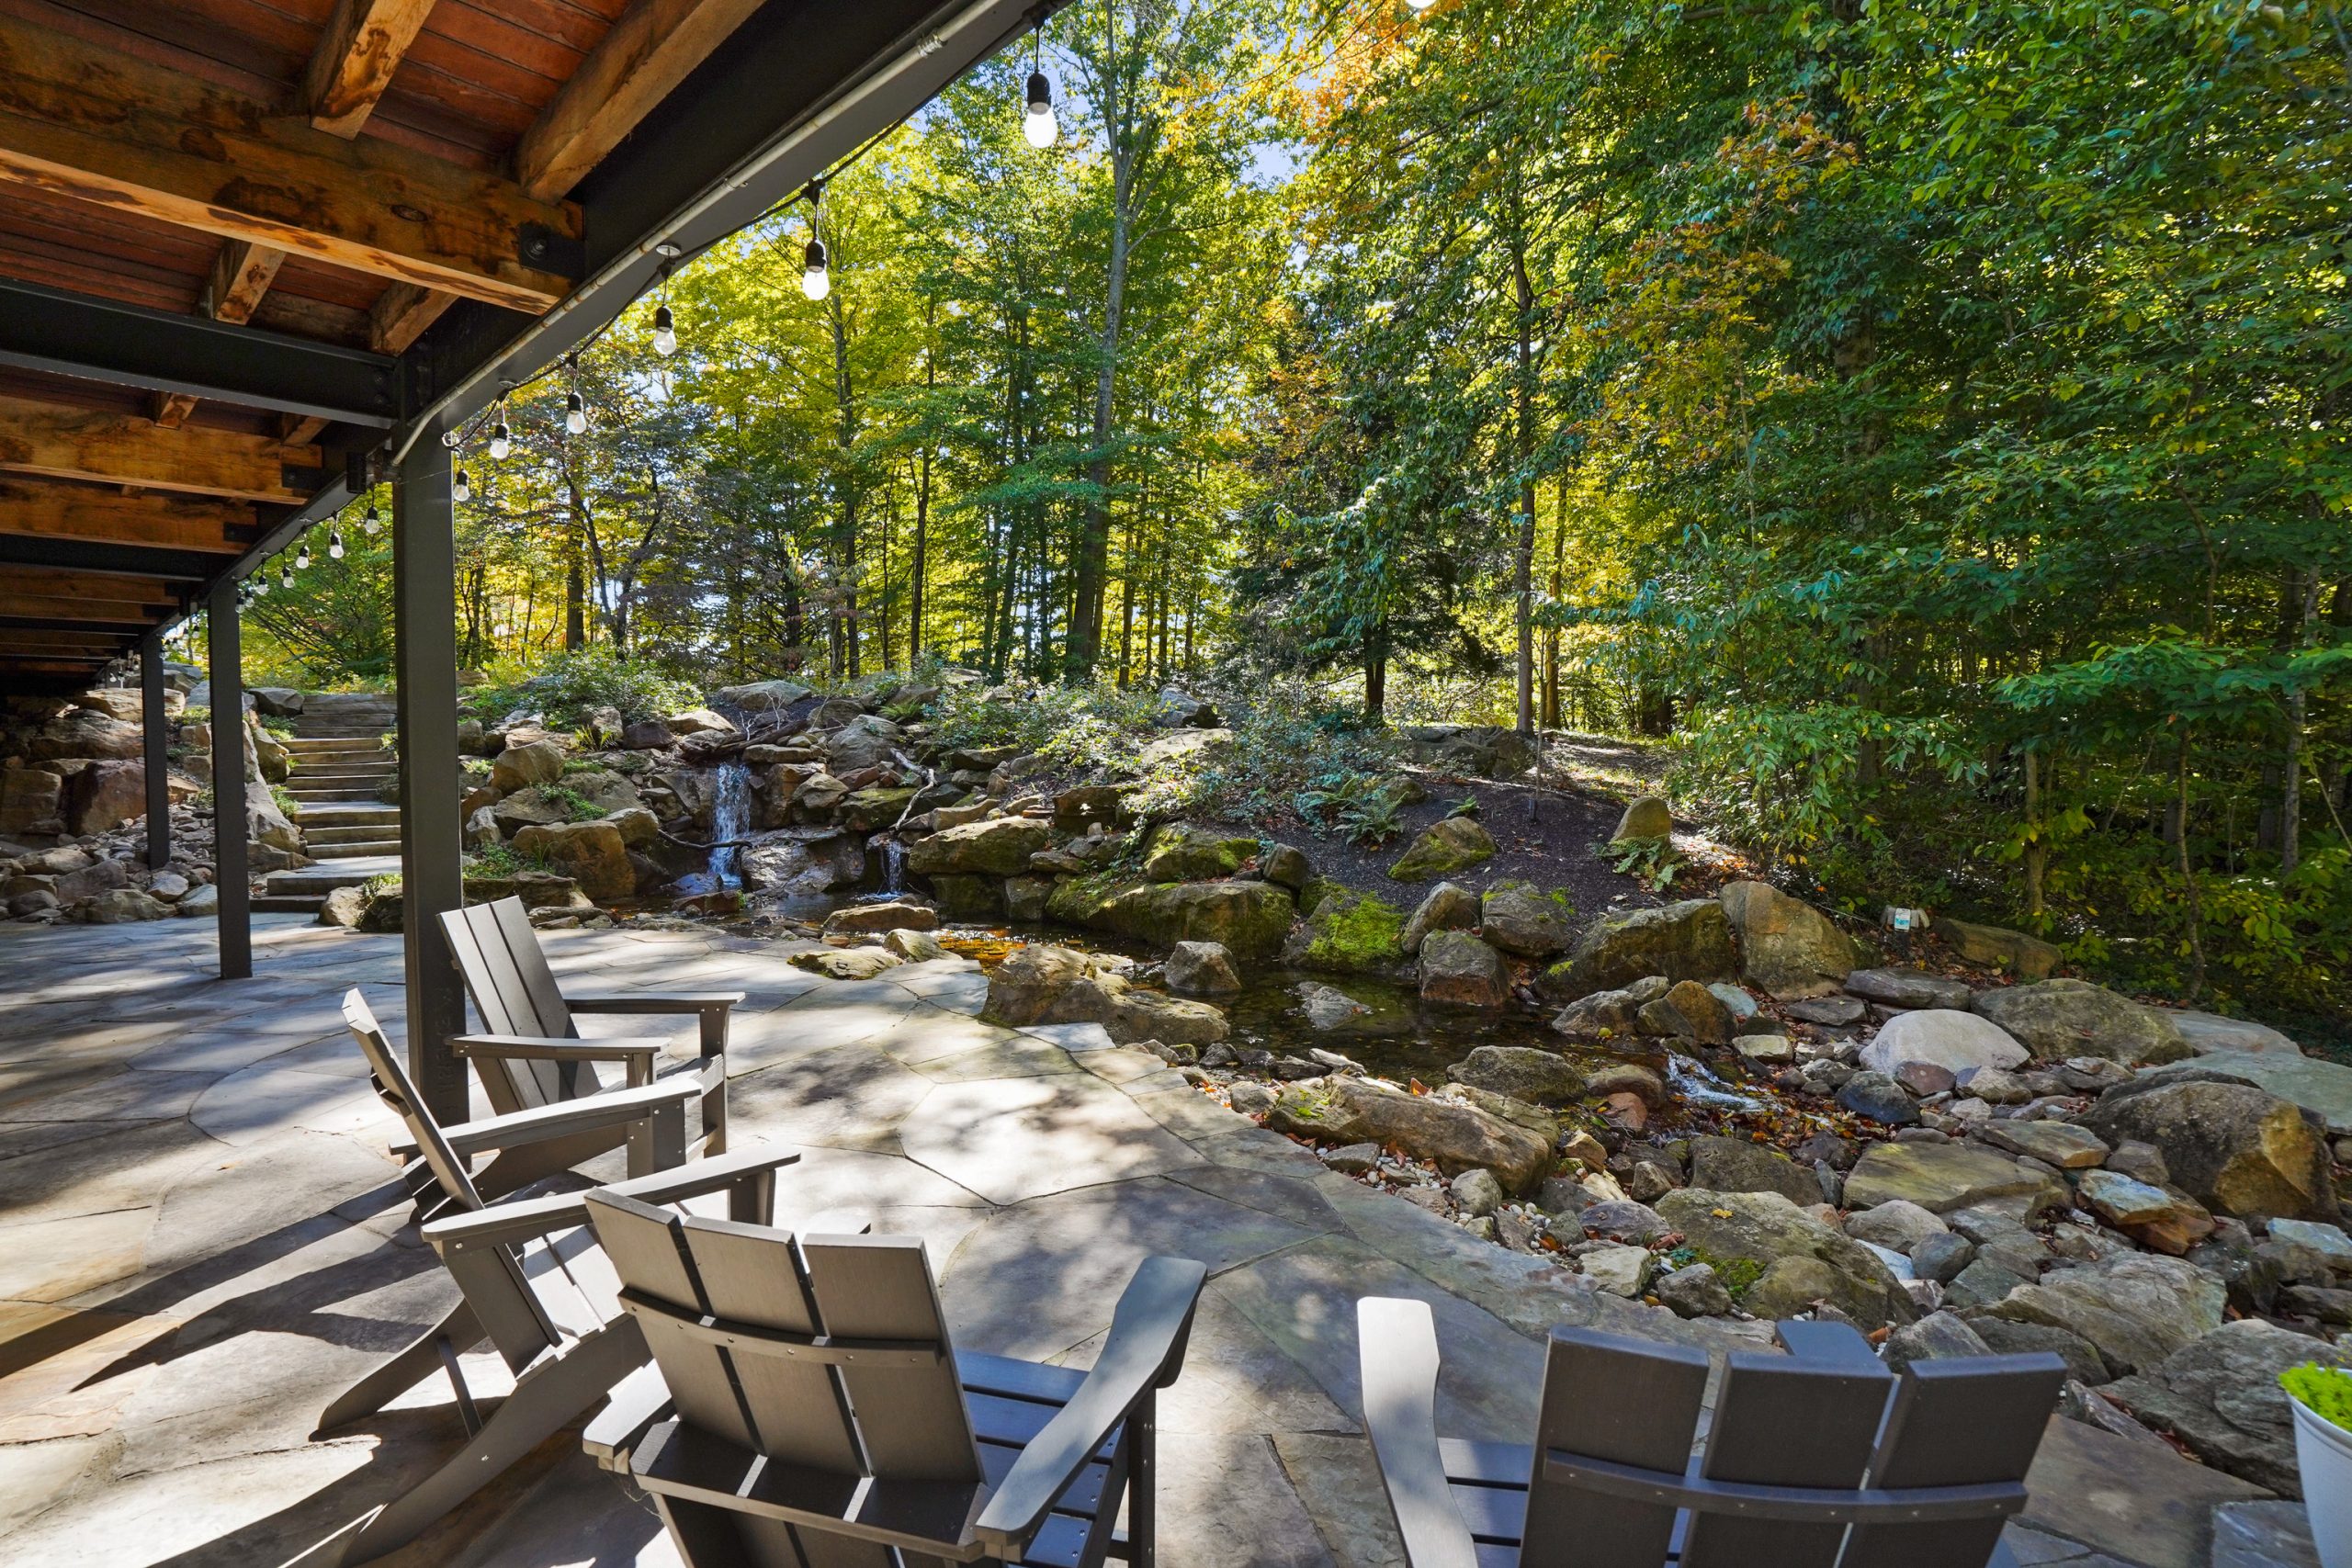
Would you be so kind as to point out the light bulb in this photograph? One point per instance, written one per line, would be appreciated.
(1420, 5)
(373, 523)
(285, 577)
(261, 586)
(499, 443)
(335, 543)
(815, 281)
(665, 332)
(464, 490)
(575, 414)
(303, 556)
(1038, 126)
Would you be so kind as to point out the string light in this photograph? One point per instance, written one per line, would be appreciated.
(261, 584)
(501, 443)
(464, 489)
(302, 557)
(1420, 5)
(373, 521)
(285, 575)
(335, 543)
(815, 281)
(1038, 126)
(575, 414)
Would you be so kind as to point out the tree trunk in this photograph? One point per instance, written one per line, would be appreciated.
(1523, 555)
(2193, 898)
(845, 616)
(1551, 634)
(2037, 844)
(1376, 673)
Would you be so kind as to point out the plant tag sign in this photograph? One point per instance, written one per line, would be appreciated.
(1907, 920)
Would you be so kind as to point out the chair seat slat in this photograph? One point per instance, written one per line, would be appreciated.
(1014, 1379)
(1492, 1512)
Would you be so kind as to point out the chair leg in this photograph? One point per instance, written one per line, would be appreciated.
(714, 1109)
(1143, 1484)
(458, 1332)
(548, 1397)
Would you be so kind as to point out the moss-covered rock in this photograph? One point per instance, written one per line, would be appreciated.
(1179, 853)
(995, 846)
(1349, 933)
(865, 810)
(1249, 917)
(963, 895)
(1689, 940)
(1444, 848)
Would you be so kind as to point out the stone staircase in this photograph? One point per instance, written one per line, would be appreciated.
(339, 770)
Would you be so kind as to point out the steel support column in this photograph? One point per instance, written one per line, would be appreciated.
(158, 767)
(230, 870)
(425, 574)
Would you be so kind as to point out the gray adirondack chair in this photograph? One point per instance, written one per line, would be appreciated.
(805, 1406)
(530, 1279)
(1818, 1459)
(530, 1052)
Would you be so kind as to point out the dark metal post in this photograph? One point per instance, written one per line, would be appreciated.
(158, 767)
(229, 871)
(425, 574)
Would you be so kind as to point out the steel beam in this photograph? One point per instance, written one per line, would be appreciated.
(159, 766)
(103, 556)
(424, 601)
(75, 334)
(230, 865)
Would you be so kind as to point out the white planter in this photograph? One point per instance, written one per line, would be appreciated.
(2323, 1455)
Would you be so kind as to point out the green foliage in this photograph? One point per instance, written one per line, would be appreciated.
(1654, 861)
(575, 807)
(568, 687)
(1364, 806)
(286, 803)
(2325, 1392)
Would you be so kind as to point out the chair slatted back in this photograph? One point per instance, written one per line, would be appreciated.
(1785, 1422)
(897, 1416)
(1963, 1422)
(511, 1308)
(1609, 1398)
(515, 993)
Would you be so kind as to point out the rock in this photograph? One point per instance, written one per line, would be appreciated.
(603, 789)
(1786, 946)
(2329, 1242)
(1940, 1336)
(1736, 1165)
(1448, 906)
(2321, 1304)
(1459, 969)
(848, 962)
(1477, 750)
(1878, 1097)
(1354, 1159)
(1539, 1078)
(1253, 1098)
(638, 827)
(1922, 1080)
(1476, 1192)
(1765, 1050)
(527, 807)
(2136, 1308)
(876, 806)
(2120, 1201)
(1349, 933)
(2140, 1162)
(343, 907)
(520, 767)
(801, 860)
(2233, 1148)
(1610, 1015)
(914, 946)
(1983, 1282)
(1285, 865)
(1610, 1219)
(204, 900)
(763, 696)
(119, 905)
(1179, 853)
(1626, 1078)
(1025, 898)
(2058, 1019)
(1455, 1134)
(1248, 919)
(697, 721)
(2059, 1144)
(1518, 919)
(1693, 1292)
(1791, 1286)
(1909, 988)
(1766, 1228)
(646, 735)
(1202, 969)
(1995, 1085)
(1618, 1270)
(998, 846)
(1688, 1010)
(168, 886)
(1646, 817)
(2209, 1031)
(1191, 745)
(29, 796)
(1689, 940)
(1832, 1013)
(591, 854)
(1140, 1015)
(866, 918)
(2220, 1395)
(2321, 1087)
(1940, 1256)
(105, 796)
(1941, 1177)
(1952, 1040)
(2006, 1337)
(83, 732)
(1444, 847)
(1898, 1223)
(2021, 954)
(1045, 984)
(1327, 1006)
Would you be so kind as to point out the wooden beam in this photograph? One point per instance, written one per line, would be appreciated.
(647, 55)
(79, 612)
(38, 510)
(241, 276)
(401, 313)
(86, 122)
(363, 45)
(61, 584)
(86, 444)
(53, 667)
(18, 638)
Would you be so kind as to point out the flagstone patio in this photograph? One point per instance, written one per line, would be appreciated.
(201, 1241)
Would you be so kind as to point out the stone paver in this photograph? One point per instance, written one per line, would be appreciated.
(201, 1241)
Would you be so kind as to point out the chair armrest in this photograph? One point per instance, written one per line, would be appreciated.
(1145, 1349)
(504, 1223)
(638, 1403)
(540, 1048)
(704, 1176)
(650, 1001)
(614, 1108)
(1397, 1344)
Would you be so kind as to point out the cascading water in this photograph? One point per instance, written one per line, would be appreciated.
(730, 815)
(894, 866)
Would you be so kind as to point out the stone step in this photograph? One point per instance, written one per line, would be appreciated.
(319, 880)
(356, 847)
(350, 776)
(346, 814)
(330, 795)
(369, 730)
(287, 903)
(315, 834)
(334, 746)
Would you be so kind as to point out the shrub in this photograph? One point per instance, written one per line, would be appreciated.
(571, 686)
(2325, 1392)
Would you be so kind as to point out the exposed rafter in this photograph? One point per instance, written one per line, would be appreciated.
(364, 44)
(56, 442)
(241, 276)
(82, 121)
(43, 510)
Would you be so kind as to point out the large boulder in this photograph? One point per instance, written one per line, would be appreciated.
(527, 809)
(1475, 751)
(592, 854)
(1523, 1072)
(105, 796)
(1689, 1010)
(1689, 940)
(1941, 1037)
(1444, 847)
(1180, 853)
(2136, 1307)
(1786, 946)
(29, 798)
(1762, 1229)
(1349, 933)
(802, 861)
(866, 741)
(1611, 1015)
(1202, 969)
(1045, 984)
(1901, 987)
(604, 790)
(2210, 1031)
(520, 767)
(2027, 957)
(120, 906)
(762, 696)
(1943, 1177)
(2058, 1019)
(1247, 918)
(994, 846)
(1522, 919)
(1456, 967)
(1455, 1135)
(698, 721)
(1448, 906)
(83, 732)
(2237, 1149)
(1646, 817)
(1737, 1165)
(2220, 1395)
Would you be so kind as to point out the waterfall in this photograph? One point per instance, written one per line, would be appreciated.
(730, 815)
(894, 866)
